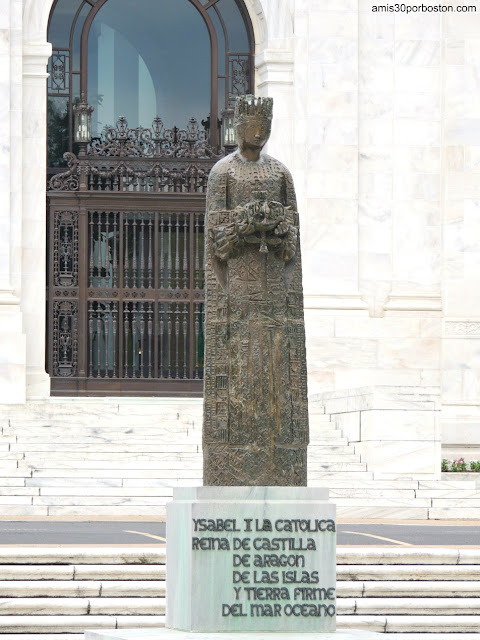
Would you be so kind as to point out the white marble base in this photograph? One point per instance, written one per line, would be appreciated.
(172, 634)
(255, 579)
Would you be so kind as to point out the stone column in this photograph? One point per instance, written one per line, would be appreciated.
(35, 57)
(12, 339)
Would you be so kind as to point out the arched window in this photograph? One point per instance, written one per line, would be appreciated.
(125, 207)
(175, 59)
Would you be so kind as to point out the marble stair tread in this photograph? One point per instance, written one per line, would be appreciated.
(406, 623)
(80, 472)
(413, 573)
(368, 501)
(152, 446)
(14, 572)
(19, 491)
(77, 554)
(43, 636)
(43, 606)
(426, 589)
(74, 623)
(364, 492)
(400, 513)
(107, 501)
(23, 510)
(447, 484)
(429, 624)
(408, 556)
(319, 478)
(102, 511)
(454, 513)
(449, 494)
(460, 501)
(116, 572)
(413, 606)
(81, 490)
(338, 482)
(135, 482)
(16, 500)
(339, 466)
(55, 623)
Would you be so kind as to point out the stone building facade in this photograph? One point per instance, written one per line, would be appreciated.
(377, 116)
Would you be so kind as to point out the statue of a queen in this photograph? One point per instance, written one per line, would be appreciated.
(255, 429)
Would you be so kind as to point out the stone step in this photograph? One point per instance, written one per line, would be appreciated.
(448, 494)
(49, 588)
(107, 501)
(408, 606)
(461, 501)
(163, 483)
(326, 442)
(414, 573)
(394, 513)
(408, 556)
(19, 491)
(119, 472)
(375, 494)
(85, 491)
(154, 606)
(320, 478)
(49, 573)
(76, 623)
(81, 606)
(151, 459)
(102, 511)
(121, 555)
(454, 513)
(77, 447)
(427, 589)
(376, 501)
(406, 623)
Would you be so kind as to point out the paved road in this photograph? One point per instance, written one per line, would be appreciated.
(141, 532)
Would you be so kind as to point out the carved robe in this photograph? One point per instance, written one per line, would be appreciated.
(255, 429)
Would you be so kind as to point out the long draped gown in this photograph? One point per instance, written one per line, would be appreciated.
(255, 429)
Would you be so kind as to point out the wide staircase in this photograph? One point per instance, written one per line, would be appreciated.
(119, 458)
(58, 593)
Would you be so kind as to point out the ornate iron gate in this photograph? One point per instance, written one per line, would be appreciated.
(125, 285)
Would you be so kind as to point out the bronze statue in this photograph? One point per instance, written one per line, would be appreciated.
(255, 429)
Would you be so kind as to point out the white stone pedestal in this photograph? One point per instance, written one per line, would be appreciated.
(171, 634)
(251, 559)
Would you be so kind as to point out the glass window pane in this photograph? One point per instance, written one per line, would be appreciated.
(236, 30)
(77, 36)
(57, 142)
(61, 21)
(220, 38)
(155, 64)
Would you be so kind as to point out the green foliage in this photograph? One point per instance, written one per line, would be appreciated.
(445, 465)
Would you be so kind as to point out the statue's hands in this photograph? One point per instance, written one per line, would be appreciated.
(245, 224)
(282, 228)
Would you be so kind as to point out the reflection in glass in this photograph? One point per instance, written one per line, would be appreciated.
(156, 64)
(77, 36)
(220, 39)
(58, 123)
(237, 33)
(61, 21)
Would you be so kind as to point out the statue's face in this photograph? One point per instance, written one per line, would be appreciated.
(253, 134)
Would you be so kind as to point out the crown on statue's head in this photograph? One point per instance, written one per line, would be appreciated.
(248, 107)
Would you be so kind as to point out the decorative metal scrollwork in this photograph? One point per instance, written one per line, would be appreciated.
(65, 338)
(156, 142)
(68, 180)
(65, 249)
